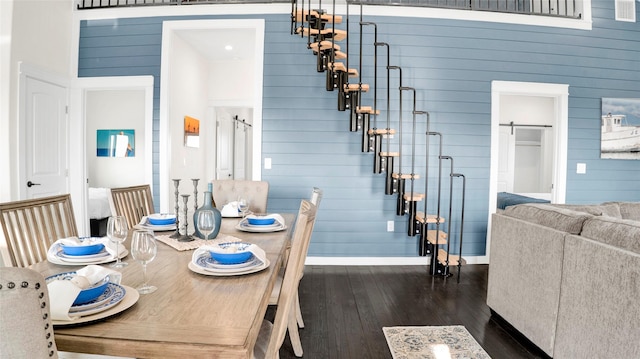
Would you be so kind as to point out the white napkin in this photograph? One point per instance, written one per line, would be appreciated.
(230, 210)
(109, 246)
(62, 293)
(279, 219)
(257, 252)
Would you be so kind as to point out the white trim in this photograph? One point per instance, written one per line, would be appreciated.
(560, 92)
(585, 23)
(164, 149)
(383, 261)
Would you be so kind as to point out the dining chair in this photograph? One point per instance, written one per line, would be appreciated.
(25, 321)
(272, 335)
(256, 192)
(31, 226)
(133, 203)
(296, 314)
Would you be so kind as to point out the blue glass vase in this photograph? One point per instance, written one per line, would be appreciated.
(208, 204)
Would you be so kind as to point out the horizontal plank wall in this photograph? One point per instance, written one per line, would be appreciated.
(451, 64)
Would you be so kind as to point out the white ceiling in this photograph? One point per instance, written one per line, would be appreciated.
(211, 43)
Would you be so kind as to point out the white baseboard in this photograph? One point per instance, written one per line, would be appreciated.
(383, 261)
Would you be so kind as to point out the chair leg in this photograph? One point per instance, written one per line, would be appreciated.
(298, 312)
(294, 336)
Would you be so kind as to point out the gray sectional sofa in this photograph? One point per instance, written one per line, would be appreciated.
(568, 277)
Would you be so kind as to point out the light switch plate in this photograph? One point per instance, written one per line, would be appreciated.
(581, 168)
(267, 163)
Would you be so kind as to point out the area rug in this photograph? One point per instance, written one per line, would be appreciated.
(442, 342)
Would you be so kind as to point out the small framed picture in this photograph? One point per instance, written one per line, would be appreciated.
(116, 143)
(191, 132)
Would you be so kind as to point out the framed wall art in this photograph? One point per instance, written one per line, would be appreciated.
(115, 143)
(620, 128)
(191, 132)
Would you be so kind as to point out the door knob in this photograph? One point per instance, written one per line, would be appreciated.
(31, 184)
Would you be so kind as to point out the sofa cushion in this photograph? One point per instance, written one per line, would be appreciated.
(620, 233)
(630, 210)
(611, 209)
(549, 215)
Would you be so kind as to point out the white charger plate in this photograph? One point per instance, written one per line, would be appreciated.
(77, 262)
(246, 227)
(212, 272)
(144, 224)
(130, 298)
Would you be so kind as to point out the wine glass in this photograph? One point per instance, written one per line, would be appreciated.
(144, 250)
(117, 233)
(206, 222)
(243, 206)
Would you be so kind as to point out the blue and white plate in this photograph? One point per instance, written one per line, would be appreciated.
(82, 259)
(111, 297)
(201, 268)
(207, 262)
(246, 227)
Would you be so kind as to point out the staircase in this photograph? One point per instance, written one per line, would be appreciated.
(328, 37)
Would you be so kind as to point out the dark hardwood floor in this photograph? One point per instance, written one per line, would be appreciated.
(345, 308)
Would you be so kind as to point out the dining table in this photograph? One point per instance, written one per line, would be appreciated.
(190, 315)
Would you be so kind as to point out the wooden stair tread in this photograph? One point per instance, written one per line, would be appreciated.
(324, 45)
(431, 218)
(390, 154)
(405, 175)
(413, 197)
(366, 109)
(356, 87)
(382, 131)
(454, 259)
(431, 237)
(337, 34)
(339, 66)
(301, 16)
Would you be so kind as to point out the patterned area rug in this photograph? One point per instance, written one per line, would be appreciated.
(443, 342)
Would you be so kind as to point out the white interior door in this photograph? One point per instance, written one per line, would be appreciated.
(506, 161)
(224, 145)
(45, 165)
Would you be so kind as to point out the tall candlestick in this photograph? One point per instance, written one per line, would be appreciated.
(185, 237)
(176, 235)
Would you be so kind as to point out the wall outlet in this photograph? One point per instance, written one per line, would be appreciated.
(390, 226)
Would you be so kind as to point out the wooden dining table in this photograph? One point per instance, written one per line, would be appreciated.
(190, 315)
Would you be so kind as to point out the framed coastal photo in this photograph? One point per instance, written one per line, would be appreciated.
(191, 132)
(620, 128)
(116, 143)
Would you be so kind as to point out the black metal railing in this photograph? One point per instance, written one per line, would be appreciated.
(559, 8)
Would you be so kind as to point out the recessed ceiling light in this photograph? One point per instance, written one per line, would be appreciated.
(228, 47)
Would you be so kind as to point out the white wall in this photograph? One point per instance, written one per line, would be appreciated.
(108, 110)
(188, 92)
(37, 32)
(232, 82)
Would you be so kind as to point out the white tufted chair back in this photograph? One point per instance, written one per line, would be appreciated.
(25, 321)
(256, 192)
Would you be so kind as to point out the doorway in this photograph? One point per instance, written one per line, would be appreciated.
(539, 114)
(234, 142)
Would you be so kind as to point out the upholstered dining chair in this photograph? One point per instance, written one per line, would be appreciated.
(25, 321)
(272, 335)
(133, 203)
(256, 192)
(31, 226)
(296, 314)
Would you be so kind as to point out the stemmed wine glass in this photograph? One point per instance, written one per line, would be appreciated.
(206, 222)
(243, 206)
(117, 233)
(144, 250)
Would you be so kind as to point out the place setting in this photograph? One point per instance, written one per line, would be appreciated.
(228, 259)
(88, 294)
(160, 222)
(262, 223)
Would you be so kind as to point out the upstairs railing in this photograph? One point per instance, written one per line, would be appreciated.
(560, 8)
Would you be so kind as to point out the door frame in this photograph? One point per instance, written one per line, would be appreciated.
(560, 93)
(80, 87)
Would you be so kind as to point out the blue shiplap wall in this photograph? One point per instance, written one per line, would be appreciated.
(451, 64)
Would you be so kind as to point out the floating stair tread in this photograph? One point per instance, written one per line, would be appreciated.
(356, 87)
(366, 109)
(324, 45)
(454, 259)
(340, 55)
(431, 218)
(302, 16)
(405, 175)
(382, 131)
(390, 154)
(432, 234)
(413, 197)
(337, 34)
(339, 66)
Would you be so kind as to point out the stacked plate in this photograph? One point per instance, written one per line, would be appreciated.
(99, 302)
(91, 253)
(158, 222)
(261, 224)
(237, 262)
